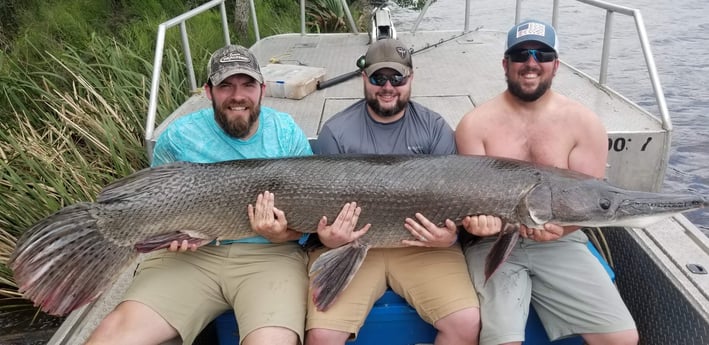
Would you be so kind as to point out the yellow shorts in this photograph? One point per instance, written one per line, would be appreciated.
(435, 281)
(265, 284)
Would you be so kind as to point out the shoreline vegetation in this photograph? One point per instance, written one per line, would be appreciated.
(74, 87)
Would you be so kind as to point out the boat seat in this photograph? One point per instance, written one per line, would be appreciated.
(392, 321)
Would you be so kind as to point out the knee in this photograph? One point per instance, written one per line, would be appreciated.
(319, 336)
(632, 338)
(107, 331)
(463, 325)
(132, 323)
(627, 337)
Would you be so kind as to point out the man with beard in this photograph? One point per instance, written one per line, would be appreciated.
(263, 278)
(550, 268)
(430, 273)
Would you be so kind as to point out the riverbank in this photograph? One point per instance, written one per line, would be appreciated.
(27, 328)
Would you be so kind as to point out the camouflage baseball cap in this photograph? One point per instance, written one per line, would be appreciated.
(388, 53)
(230, 60)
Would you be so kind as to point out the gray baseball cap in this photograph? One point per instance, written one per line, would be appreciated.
(388, 53)
(231, 60)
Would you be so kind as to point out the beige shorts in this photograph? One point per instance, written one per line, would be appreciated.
(265, 284)
(434, 281)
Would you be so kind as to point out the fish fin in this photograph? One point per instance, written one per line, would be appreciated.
(501, 249)
(64, 261)
(334, 270)
(164, 240)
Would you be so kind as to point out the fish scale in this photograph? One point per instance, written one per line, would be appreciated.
(70, 257)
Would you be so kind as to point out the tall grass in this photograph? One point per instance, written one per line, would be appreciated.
(72, 128)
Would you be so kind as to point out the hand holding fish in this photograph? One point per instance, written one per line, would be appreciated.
(342, 230)
(482, 225)
(270, 222)
(427, 234)
(176, 246)
(550, 232)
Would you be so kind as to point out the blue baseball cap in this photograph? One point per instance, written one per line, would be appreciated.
(532, 30)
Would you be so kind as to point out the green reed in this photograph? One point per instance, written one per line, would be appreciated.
(72, 126)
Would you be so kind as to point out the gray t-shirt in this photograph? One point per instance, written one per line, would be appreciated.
(419, 131)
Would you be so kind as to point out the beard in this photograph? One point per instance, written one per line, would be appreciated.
(373, 103)
(516, 90)
(236, 127)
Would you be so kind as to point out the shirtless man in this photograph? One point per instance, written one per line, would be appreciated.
(550, 268)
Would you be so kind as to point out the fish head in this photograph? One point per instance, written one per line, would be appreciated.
(593, 202)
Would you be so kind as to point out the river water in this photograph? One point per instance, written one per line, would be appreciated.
(678, 31)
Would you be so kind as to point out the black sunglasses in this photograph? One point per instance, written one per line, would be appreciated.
(381, 80)
(524, 54)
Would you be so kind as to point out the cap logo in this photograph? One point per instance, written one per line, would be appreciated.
(234, 57)
(531, 29)
(402, 52)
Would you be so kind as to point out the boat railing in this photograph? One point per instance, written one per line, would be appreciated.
(611, 10)
(180, 21)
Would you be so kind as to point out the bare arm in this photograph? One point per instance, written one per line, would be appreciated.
(468, 140)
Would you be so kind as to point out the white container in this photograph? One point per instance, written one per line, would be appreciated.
(291, 81)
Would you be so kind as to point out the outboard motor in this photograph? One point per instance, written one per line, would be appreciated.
(382, 25)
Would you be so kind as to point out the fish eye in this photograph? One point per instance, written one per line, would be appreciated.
(605, 204)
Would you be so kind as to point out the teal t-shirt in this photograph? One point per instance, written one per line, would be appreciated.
(198, 138)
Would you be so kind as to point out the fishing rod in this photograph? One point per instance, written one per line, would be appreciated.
(360, 64)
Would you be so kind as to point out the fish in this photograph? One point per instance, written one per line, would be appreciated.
(70, 257)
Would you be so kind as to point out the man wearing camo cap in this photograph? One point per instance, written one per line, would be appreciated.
(429, 270)
(176, 293)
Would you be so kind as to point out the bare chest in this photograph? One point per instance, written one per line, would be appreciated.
(548, 145)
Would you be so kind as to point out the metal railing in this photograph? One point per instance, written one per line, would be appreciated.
(180, 21)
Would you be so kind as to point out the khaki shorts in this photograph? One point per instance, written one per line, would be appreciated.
(566, 284)
(265, 284)
(434, 281)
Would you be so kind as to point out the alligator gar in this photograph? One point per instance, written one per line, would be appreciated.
(68, 258)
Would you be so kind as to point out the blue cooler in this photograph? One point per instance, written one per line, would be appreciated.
(392, 321)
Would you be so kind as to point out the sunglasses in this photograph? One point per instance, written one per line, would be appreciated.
(524, 54)
(381, 80)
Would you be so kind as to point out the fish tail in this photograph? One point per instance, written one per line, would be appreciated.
(334, 270)
(501, 249)
(64, 261)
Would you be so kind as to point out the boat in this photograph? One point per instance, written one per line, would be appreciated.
(660, 270)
